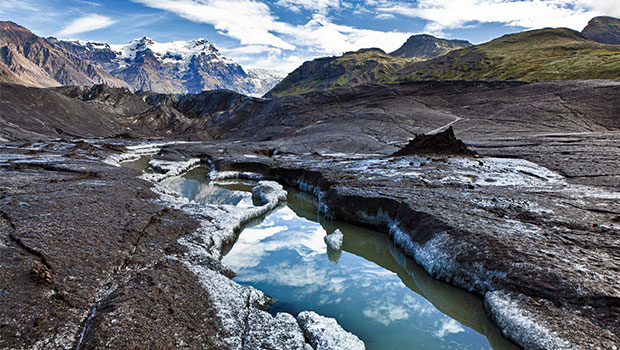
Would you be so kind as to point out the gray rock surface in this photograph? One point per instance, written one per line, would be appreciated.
(128, 270)
(531, 225)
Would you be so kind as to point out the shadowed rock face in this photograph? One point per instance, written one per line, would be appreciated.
(33, 61)
(425, 47)
(604, 30)
(440, 143)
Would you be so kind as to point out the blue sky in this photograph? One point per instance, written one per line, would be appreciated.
(281, 34)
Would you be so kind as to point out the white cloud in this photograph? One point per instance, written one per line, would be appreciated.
(321, 6)
(449, 14)
(251, 49)
(385, 16)
(17, 5)
(248, 21)
(449, 326)
(326, 37)
(254, 25)
(386, 312)
(86, 24)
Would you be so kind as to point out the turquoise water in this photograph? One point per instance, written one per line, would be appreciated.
(370, 287)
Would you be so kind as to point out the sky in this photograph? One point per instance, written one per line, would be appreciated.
(282, 34)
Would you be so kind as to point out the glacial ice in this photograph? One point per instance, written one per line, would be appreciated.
(325, 333)
(521, 326)
(334, 240)
(238, 307)
(266, 192)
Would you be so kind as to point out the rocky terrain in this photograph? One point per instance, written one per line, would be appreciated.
(530, 222)
(142, 64)
(604, 30)
(425, 47)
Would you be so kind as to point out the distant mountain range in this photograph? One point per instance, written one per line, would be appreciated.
(196, 66)
(545, 54)
(143, 64)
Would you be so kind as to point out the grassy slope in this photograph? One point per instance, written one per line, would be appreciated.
(545, 54)
(353, 68)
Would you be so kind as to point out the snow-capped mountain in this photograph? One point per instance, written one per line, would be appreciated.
(263, 80)
(172, 67)
(142, 64)
(30, 60)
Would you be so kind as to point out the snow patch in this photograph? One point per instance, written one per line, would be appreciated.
(175, 52)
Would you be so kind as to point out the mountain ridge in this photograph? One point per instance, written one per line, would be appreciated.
(362, 66)
(142, 64)
(33, 61)
(535, 55)
(603, 29)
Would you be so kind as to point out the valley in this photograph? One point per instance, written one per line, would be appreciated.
(146, 203)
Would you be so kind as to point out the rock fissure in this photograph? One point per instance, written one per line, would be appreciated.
(29, 250)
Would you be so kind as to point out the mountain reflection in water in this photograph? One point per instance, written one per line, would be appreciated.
(370, 287)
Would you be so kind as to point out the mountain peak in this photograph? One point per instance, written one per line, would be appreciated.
(12, 26)
(202, 42)
(176, 51)
(603, 29)
(425, 47)
(145, 40)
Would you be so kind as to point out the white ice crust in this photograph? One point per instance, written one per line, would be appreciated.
(521, 326)
(325, 333)
(244, 324)
(334, 240)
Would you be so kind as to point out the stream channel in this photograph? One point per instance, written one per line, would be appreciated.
(370, 287)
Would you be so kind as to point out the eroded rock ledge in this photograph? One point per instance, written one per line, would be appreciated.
(542, 251)
(93, 258)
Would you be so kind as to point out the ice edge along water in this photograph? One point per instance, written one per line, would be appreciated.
(434, 255)
(220, 225)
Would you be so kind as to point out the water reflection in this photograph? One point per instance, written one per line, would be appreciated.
(141, 164)
(194, 186)
(373, 289)
(370, 287)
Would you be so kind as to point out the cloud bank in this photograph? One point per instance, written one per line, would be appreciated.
(530, 14)
(253, 24)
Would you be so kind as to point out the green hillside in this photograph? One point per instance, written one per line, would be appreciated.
(352, 68)
(545, 54)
